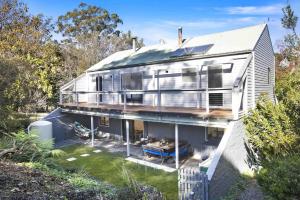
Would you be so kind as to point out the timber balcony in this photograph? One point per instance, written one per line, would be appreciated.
(199, 103)
(211, 94)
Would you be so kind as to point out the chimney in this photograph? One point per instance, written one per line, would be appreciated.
(134, 43)
(179, 36)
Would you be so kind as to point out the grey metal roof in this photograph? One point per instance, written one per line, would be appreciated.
(238, 40)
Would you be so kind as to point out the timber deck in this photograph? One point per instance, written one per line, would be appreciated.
(144, 109)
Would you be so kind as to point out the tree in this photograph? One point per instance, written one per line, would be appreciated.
(90, 35)
(86, 20)
(26, 38)
(290, 47)
(289, 19)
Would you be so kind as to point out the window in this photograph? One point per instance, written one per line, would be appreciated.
(104, 121)
(132, 81)
(99, 87)
(133, 98)
(214, 133)
(189, 75)
(215, 77)
(216, 99)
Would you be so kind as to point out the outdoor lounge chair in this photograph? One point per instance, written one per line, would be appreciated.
(82, 131)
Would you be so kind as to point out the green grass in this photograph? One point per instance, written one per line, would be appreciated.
(107, 167)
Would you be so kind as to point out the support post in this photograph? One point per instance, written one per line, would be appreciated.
(112, 89)
(127, 138)
(153, 87)
(205, 136)
(198, 87)
(60, 98)
(125, 99)
(158, 91)
(236, 103)
(207, 94)
(176, 147)
(97, 94)
(92, 129)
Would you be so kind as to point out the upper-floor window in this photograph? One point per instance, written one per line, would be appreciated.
(189, 75)
(132, 81)
(215, 78)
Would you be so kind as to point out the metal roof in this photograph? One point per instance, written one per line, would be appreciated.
(237, 40)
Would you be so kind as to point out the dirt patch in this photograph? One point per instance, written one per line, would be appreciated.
(18, 182)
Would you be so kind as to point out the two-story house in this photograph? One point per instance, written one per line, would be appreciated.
(195, 91)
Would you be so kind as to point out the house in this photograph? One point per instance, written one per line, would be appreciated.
(196, 91)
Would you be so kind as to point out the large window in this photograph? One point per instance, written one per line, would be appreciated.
(99, 86)
(189, 75)
(215, 77)
(132, 81)
(104, 121)
(215, 81)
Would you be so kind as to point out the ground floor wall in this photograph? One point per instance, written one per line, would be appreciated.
(233, 162)
(202, 145)
(196, 136)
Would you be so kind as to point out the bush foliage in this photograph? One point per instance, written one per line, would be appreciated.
(280, 178)
(270, 131)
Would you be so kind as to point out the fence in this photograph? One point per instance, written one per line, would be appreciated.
(193, 184)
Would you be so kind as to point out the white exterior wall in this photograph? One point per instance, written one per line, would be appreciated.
(81, 85)
(170, 78)
(264, 59)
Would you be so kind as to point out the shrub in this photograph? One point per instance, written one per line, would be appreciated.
(287, 91)
(136, 191)
(28, 148)
(280, 178)
(270, 131)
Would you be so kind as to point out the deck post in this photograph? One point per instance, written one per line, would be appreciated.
(125, 99)
(236, 103)
(112, 89)
(127, 138)
(97, 90)
(76, 94)
(207, 94)
(153, 87)
(60, 97)
(92, 129)
(176, 147)
(198, 87)
(158, 91)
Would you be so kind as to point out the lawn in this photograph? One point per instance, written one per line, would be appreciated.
(107, 167)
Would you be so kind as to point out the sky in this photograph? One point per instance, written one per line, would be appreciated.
(154, 20)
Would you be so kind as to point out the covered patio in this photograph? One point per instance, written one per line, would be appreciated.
(167, 151)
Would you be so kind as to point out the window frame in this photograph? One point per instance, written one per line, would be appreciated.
(130, 73)
(106, 121)
(193, 76)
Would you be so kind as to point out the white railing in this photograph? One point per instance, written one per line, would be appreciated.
(207, 99)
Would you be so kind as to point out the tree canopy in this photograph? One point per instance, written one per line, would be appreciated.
(87, 19)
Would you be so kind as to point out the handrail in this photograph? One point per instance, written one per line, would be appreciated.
(242, 72)
(211, 90)
(72, 81)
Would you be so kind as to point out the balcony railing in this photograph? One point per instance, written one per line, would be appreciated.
(204, 99)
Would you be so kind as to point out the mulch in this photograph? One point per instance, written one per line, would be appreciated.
(19, 182)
